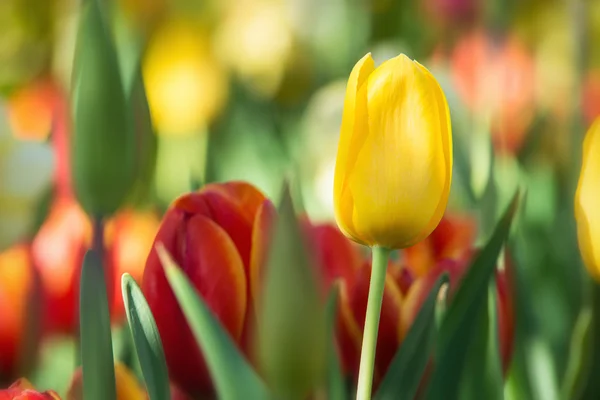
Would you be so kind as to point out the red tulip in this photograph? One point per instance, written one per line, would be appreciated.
(58, 251)
(448, 249)
(23, 390)
(217, 236)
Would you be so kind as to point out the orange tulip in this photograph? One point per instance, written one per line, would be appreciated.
(23, 390)
(16, 283)
(494, 77)
(406, 288)
(217, 236)
(60, 245)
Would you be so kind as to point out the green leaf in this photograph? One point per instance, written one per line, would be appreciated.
(484, 356)
(146, 339)
(406, 370)
(233, 377)
(96, 344)
(292, 346)
(336, 387)
(459, 326)
(580, 358)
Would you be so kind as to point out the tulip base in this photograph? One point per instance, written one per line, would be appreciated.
(369, 343)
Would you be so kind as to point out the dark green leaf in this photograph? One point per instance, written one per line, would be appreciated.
(233, 377)
(459, 326)
(292, 345)
(406, 370)
(484, 356)
(336, 387)
(146, 340)
(96, 344)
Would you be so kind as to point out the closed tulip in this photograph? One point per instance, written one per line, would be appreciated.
(586, 202)
(216, 235)
(394, 163)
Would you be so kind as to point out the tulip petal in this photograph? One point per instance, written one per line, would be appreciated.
(390, 333)
(352, 133)
(400, 182)
(244, 195)
(339, 258)
(214, 267)
(349, 334)
(217, 273)
(587, 212)
(261, 235)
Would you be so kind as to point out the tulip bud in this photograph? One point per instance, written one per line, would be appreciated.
(212, 235)
(587, 199)
(103, 165)
(394, 163)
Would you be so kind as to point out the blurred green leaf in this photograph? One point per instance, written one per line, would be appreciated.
(580, 358)
(146, 149)
(484, 356)
(32, 330)
(96, 345)
(406, 370)
(458, 328)
(146, 340)
(292, 345)
(591, 386)
(103, 146)
(232, 375)
(335, 378)
(55, 365)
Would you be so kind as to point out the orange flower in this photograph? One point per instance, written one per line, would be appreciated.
(217, 236)
(494, 77)
(23, 390)
(591, 96)
(452, 239)
(16, 283)
(60, 245)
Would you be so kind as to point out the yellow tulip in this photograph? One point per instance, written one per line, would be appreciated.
(587, 200)
(394, 163)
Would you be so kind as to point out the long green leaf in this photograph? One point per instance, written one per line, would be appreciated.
(96, 344)
(459, 325)
(233, 377)
(484, 356)
(336, 387)
(406, 370)
(146, 339)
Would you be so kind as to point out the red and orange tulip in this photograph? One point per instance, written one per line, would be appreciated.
(23, 390)
(217, 236)
(59, 247)
(16, 282)
(406, 288)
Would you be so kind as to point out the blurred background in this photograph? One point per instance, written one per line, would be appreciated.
(253, 90)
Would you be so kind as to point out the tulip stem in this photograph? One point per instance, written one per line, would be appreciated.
(369, 343)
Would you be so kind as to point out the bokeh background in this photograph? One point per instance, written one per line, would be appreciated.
(253, 90)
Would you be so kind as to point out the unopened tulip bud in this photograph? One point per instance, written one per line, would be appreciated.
(394, 161)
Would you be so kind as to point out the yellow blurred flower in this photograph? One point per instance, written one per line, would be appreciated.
(25, 173)
(186, 86)
(256, 41)
(394, 163)
(587, 199)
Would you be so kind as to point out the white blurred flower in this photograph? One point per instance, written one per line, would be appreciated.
(26, 170)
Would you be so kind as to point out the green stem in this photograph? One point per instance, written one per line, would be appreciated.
(369, 344)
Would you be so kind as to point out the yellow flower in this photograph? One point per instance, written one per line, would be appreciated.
(186, 86)
(394, 161)
(587, 200)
